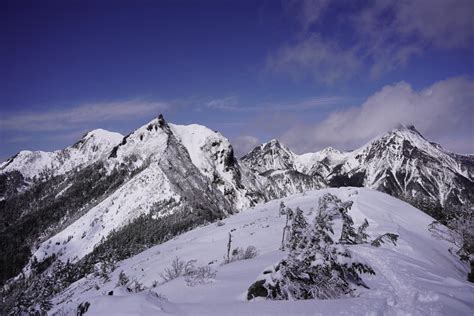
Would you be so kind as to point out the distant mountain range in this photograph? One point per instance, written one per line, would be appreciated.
(84, 202)
(401, 163)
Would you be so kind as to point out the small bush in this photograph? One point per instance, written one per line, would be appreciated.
(178, 268)
(136, 286)
(200, 275)
(123, 279)
(250, 252)
(241, 254)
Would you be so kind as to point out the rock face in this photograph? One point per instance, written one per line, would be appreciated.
(282, 169)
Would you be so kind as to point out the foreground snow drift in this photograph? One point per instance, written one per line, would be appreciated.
(418, 276)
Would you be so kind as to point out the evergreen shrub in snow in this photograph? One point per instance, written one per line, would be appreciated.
(123, 279)
(458, 230)
(316, 267)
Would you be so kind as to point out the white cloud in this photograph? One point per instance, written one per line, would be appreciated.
(443, 23)
(227, 103)
(243, 144)
(443, 112)
(63, 119)
(313, 57)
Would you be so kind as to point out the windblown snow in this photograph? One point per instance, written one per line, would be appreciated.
(417, 277)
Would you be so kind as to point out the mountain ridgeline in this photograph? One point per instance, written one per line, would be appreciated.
(401, 163)
(108, 197)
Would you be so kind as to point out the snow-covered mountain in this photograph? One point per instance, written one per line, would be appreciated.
(184, 175)
(91, 147)
(406, 165)
(169, 168)
(279, 165)
(401, 162)
(109, 197)
(32, 166)
(418, 276)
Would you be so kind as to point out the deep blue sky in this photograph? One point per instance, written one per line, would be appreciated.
(253, 70)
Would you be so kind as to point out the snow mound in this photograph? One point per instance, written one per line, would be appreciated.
(417, 277)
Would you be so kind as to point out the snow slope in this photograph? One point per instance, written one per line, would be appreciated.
(416, 277)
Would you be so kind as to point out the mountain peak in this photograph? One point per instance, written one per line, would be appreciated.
(98, 137)
(330, 149)
(273, 142)
(102, 134)
(409, 128)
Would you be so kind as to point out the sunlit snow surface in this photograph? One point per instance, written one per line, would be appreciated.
(417, 277)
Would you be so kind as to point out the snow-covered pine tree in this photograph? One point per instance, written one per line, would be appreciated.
(459, 232)
(362, 236)
(297, 229)
(348, 234)
(318, 269)
(329, 203)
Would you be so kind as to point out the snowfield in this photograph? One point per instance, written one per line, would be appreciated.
(417, 277)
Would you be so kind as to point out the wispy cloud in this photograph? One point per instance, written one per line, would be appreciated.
(310, 56)
(384, 35)
(233, 104)
(72, 117)
(227, 103)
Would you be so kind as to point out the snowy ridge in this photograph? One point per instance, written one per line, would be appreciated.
(401, 162)
(213, 155)
(90, 148)
(270, 156)
(418, 276)
(279, 168)
(161, 156)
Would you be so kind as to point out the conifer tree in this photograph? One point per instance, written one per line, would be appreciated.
(458, 230)
(297, 229)
(348, 234)
(317, 268)
(362, 236)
